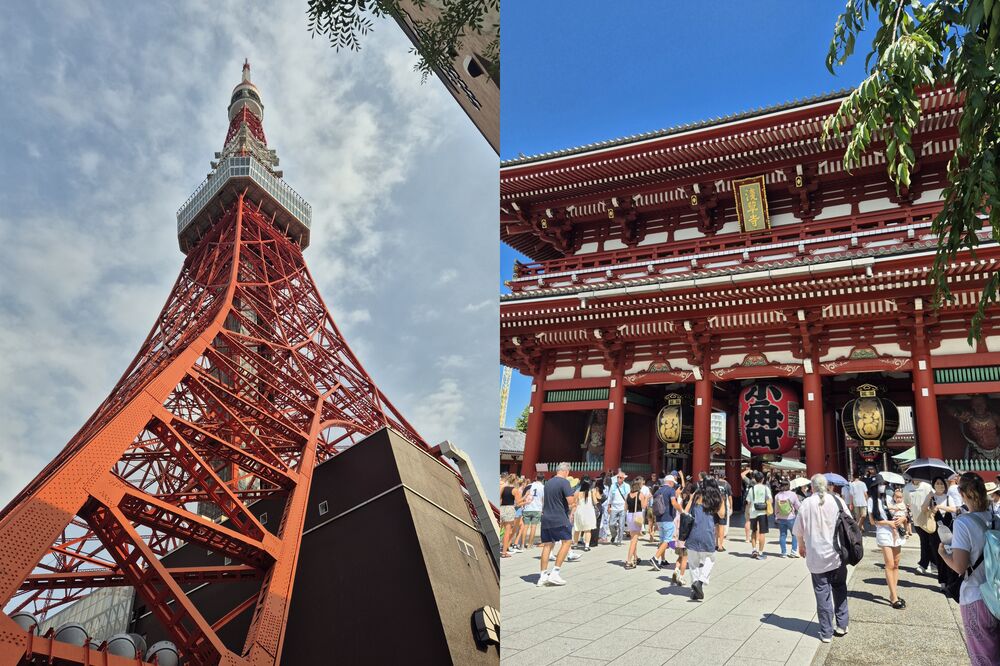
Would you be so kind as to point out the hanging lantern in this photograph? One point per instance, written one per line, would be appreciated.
(769, 418)
(675, 425)
(870, 420)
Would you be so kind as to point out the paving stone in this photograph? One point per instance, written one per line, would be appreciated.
(615, 644)
(706, 651)
(551, 651)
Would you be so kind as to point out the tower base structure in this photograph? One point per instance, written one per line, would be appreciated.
(391, 567)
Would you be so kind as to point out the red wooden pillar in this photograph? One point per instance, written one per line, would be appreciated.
(925, 408)
(733, 457)
(533, 435)
(830, 435)
(655, 448)
(701, 457)
(615, 424)
(812, 389)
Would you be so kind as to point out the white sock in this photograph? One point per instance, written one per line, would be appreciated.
(555, 570)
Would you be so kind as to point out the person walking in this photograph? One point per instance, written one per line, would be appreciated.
(510, 496)
(556, 525)
(585, 517)
(889, 517)
(746, 479)
(857, 494)
(532, 515)
(687, 497)
(943, 508)
(617, 493)
(517, 544)
(722, 526)
(786, 504)
(635, 512)
(918, 516)
(982, 629)
(666, 495)
(701, 542)
(759, 500)
(814, 526)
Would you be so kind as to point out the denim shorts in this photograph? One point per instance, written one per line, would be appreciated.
(666, 531)
(532, 517)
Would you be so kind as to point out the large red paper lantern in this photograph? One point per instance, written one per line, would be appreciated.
(769, 418)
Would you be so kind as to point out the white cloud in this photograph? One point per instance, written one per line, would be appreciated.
(117, 98)
(482, 305)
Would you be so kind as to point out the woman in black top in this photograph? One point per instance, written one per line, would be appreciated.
(635, 511)
(510, 497)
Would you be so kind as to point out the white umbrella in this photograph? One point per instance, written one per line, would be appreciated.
(799, 482)
(892, 477)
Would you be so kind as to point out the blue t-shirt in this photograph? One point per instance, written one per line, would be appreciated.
(702, 537)
(555, 510)
(667, 493)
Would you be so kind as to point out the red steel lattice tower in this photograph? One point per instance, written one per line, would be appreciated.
(244, 384)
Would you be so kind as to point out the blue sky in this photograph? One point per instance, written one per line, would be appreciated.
(111, 112)
(575, 73)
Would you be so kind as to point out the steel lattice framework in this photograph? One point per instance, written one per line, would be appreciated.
(243, 385)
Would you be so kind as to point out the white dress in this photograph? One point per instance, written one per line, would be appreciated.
(889, 536)
(585, 519)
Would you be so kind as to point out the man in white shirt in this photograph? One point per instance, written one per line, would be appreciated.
(814, 526)
(953, 494)
(858, 498)
(532, 514)
(756, 506)
(617, 493)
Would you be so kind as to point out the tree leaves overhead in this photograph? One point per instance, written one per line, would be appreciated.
(345, 22)
(916, 45)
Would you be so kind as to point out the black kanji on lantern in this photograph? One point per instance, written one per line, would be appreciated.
(763, 417)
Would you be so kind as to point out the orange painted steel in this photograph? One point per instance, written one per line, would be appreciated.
(243, 385)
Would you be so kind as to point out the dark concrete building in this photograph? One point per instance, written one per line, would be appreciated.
(391, 567)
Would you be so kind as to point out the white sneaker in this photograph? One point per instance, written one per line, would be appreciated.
(826, 639)
(555, 579)
(793, 554)
(572, 556)
(840, 632)
(921, 570)
(543, 579)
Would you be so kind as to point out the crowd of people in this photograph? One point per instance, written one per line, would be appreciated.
(691, 518)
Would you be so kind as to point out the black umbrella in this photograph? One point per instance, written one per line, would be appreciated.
(928, 468)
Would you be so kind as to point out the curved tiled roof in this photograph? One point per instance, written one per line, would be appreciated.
(677, 129)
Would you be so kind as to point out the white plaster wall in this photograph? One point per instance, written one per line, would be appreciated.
(614, 244)
(654, 239)
(730, 227)
(929, 195)
(954, 346)
(783, 219)
(687, 233)
(875, 204)
(589, 371)
(637, 367)
(890, 349)
(834, 211)
(587, 248)
(835, 353)
(561, 373)
(993, 342)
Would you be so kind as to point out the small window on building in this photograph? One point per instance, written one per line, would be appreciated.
(467, 548)
(263, 519)
(323, 508)
(227, 561)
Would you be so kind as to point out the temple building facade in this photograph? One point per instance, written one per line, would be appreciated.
(736, 267)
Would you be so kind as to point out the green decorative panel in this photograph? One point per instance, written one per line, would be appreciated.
(577, 395)
(982, 373)
(639, 399)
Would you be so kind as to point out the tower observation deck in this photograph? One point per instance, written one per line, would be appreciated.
(245, 164)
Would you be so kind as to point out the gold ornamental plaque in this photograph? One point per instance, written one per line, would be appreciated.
(751, 204)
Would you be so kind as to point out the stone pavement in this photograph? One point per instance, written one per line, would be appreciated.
(760, 612)
(927, 631)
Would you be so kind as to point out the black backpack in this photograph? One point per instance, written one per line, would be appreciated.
(847, 538)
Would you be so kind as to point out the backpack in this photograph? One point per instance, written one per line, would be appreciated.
(847, 541)
(659, 504)
(784, 508)
(990, 558)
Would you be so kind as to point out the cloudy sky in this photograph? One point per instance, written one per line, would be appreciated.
(110, 113)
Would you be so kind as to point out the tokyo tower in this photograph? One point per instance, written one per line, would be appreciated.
(242, 387)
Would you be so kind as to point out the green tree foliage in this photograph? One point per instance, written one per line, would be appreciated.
(345, 22)
(522, 420)
(919, 44)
